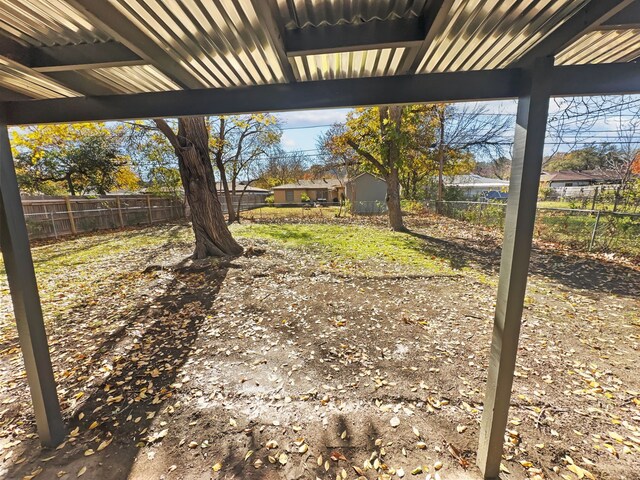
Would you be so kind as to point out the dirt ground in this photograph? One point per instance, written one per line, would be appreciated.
(276, 366)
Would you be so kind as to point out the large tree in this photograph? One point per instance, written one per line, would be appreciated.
(463, 132)
(237, 143)
(71, 158)
(191, 145)
(588, 158)
(378, 136)
(281, 167)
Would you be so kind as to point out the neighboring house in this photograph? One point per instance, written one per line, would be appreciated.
(247, 190)
(474, 186)
(366, 193)
(575, 184)
(329, 190)
(245, 195)
(571, 178)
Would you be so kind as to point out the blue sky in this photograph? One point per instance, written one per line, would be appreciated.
(298, 134)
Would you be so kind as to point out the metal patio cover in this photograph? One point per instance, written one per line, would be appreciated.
(79, 60)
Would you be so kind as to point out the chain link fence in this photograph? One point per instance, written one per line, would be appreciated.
(581, 229)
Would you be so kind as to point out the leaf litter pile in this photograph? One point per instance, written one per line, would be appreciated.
(304, 359)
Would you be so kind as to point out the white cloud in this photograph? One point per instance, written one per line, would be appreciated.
(288, 142)
(303, 118)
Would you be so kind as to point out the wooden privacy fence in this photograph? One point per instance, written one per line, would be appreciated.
(56, 216)
(248, 201)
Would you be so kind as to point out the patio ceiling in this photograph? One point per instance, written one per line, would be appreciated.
(75, 48)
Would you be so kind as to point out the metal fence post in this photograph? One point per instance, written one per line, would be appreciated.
(595, 229)
(72, 220)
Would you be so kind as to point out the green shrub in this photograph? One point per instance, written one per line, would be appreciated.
(412, 206)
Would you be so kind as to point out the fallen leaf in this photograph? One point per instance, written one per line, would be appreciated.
(104, 444)
(336, 456)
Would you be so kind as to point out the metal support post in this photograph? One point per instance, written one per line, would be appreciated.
(528, 150)
(14, 243)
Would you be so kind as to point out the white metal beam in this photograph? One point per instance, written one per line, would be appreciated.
(14, 243)
(587, 19)
(528, 148)
(435, 17)
(104, 15)
(267, 14)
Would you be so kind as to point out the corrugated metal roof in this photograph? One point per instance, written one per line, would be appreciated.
(363, 63)
(493, 33)
(21, 79)
(305, 13)
(221, 42)
(47, 22)
(605, 46)
(132, 79)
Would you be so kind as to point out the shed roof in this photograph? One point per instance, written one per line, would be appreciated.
(363, 174)
(70, 48)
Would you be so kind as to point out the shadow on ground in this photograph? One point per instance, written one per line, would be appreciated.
(584, 273)
(141, 382)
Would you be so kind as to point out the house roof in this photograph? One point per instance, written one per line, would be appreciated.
(476, 181)
(580, 176)
(242, 187)
(303, 184)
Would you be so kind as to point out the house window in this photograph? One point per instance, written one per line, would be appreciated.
(321, 194)
(288, 195)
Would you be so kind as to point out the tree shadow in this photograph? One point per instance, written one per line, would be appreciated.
(66, 245)
(582, 273)
(459, 256)
(142, 380)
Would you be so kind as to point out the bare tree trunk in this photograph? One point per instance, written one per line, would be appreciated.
(231, 214)
(213, 237)
(223, 172)
(70, 187)
(393, 201)
(391, 159)
(441, 119)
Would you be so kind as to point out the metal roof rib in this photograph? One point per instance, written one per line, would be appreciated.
(48, 22)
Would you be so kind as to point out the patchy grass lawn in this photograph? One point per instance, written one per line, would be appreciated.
(266, 213)
(342, 246)
(327, 351)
